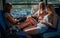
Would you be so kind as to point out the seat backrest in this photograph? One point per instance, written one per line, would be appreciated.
(57, 11)
(54, 29)
(2, 23)
(58, 29)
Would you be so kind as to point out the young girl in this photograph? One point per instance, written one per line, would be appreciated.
(11, 22)
(44, 21)
(52, 17)
(41, 26)
(42, 17)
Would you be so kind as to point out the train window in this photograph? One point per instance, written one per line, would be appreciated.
(55, 3)
(21, 10)
(22, 7)
(23, 1)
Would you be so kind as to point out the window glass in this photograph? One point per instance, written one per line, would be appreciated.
(22, 8)
(55, 3)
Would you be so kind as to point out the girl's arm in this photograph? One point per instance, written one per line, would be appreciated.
(54, 22)
(11, 19)
(47, 23)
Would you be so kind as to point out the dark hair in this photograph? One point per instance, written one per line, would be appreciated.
(51, 16)
(7, 7)
(51, 9)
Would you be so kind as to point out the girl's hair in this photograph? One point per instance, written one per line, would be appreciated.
(43, 5)
(7, 7)
(51, 9)
(51, 16)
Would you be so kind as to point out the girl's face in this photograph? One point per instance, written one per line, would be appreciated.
(10, 8)
(41, 7)
(49, 11)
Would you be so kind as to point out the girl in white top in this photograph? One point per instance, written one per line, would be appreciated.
(41, 26)
(42, 17)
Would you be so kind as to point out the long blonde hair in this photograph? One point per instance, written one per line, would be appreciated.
(42, 7)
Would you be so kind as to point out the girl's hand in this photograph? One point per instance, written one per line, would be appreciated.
(47, 23)
(44, 22)
(40, 18)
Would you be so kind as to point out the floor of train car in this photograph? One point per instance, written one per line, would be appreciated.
(55, 36)
(36, 36)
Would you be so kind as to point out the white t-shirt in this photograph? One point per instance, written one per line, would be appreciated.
(42, 27)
